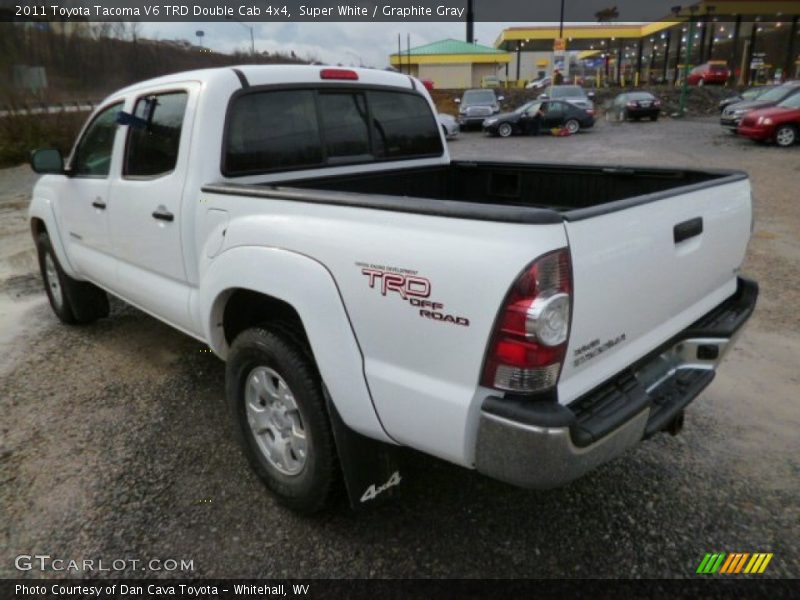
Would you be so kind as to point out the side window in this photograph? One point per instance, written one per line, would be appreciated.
(93, 153)
(154, 139)
(344, 125)
(403, 125)
(272, 130)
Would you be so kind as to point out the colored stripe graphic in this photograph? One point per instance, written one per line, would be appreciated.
(758, 563)
(727, 564)
(711, 563)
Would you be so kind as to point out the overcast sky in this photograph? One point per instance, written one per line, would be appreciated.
(346, 43)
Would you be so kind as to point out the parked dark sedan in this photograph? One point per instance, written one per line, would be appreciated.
(537, 116)
(748, 94)
(636, 105)
(732, 115)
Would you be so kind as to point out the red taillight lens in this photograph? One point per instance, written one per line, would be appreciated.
(338, 74)
(590, 112)
(530, 338)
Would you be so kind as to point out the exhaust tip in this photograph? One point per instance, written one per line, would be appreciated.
(675, 426)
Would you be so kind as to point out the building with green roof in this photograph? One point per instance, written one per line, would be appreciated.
(452, 64)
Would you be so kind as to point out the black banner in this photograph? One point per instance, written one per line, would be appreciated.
(540, 11)
(313, 589)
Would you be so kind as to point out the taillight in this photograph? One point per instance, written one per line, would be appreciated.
(338, 74)
(529, 342)
(590, 112)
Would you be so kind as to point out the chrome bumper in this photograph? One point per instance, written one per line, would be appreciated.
(541, 444)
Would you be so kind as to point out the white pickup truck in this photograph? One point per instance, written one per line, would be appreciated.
(527, 320)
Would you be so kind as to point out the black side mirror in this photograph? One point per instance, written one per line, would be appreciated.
(47, 160)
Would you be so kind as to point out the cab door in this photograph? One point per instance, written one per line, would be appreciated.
(83, 207)
(145, 208)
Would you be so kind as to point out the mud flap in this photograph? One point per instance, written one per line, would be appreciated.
(370, 468)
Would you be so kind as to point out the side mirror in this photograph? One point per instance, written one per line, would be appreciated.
(501, 98)
(591, 95)
(543, 96)
(457, 100)
(47, 160)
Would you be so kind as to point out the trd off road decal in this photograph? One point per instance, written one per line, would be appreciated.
(412, 288)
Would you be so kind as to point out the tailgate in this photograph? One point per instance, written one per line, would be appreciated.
(644, 273)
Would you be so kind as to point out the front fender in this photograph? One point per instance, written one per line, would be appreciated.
(308, 286)
(42, 208)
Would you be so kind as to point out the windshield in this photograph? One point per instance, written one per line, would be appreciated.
(567, 91)
(791, 102)
(775, 94)
(718, 68)
(640, 96)
(527, 106)
(479, 97)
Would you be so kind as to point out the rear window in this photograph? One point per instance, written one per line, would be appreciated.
(303, 128)
(719, 68)
(567, 91)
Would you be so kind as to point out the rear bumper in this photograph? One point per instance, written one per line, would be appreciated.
(541, 444)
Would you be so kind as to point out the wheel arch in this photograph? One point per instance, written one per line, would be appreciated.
(42, 220)
(246, 286)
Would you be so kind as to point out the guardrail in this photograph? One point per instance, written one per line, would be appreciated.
(42, 108)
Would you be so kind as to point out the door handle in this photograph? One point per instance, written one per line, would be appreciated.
(687, 229)
(99, 204)
(162, 214)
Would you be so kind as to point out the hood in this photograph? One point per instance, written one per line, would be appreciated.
(750, 104)
(508, 116)
(772, 111)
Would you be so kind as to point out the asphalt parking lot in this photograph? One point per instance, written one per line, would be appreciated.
(114, 441)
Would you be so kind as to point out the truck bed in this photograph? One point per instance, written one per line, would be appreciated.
(493, 190)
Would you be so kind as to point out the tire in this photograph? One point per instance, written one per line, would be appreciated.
(74, 302)
(275, 393)
(785, 136)
(504, 130)
(573, 126)
(623, 115)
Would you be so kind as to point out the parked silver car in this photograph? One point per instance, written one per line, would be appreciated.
(449, 125)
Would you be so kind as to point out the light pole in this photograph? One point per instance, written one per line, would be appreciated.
(252, 36)
(685, 86)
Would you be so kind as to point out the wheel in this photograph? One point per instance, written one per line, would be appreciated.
(276, 398)
(785, 136)
(73, 302)
(572, 126)
(623, 114)
(504, 130)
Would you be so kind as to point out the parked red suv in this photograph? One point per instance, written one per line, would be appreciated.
(710, 72)
(780, 123)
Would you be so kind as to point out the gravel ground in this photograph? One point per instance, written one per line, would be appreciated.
(114, 441)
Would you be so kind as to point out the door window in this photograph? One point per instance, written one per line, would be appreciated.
(93, 153)
(154, 136)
